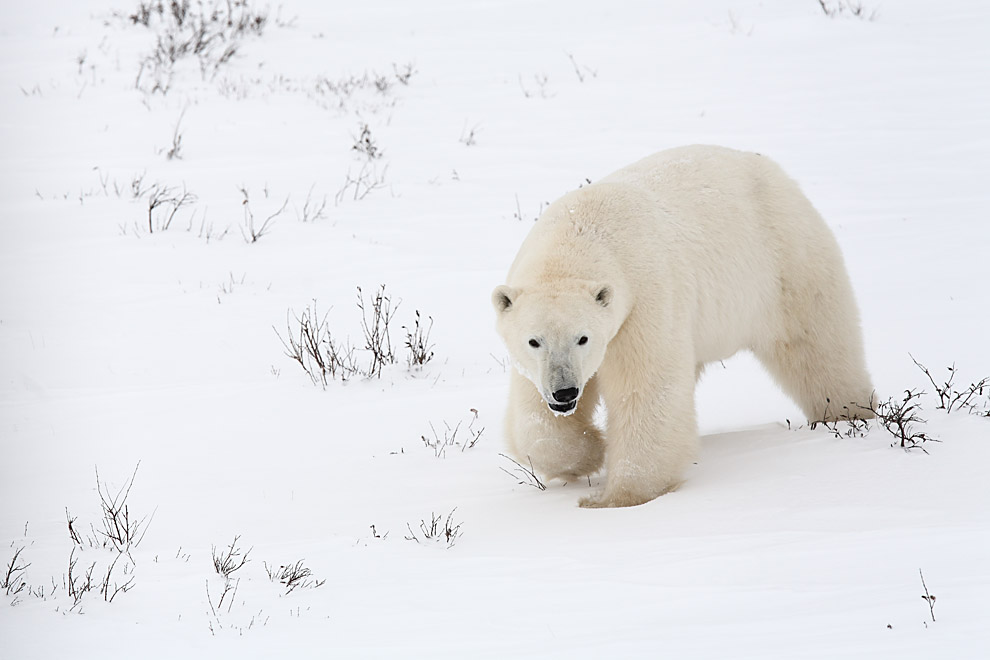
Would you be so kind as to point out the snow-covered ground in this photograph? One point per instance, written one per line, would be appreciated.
(124, 348)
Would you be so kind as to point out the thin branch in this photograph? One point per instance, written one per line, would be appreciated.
(529, 477)
(930, 599)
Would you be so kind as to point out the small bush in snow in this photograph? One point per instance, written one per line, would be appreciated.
(375, 319)
(437, 530)
(366, 144)
(120, 528)
(211, 32)
(159, 195)
(836, 8)
(850, 426)
(77, 584)
(968, 398)
(358, 186)
(310, 343)
(293, 576)
(312, 346)
(226, 563)
(119, 532)
(453, 437)
(418, 343)
(231, 560)
(899, 417)
(368, 92)
(404, 73)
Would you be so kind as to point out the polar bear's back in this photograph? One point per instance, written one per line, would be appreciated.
(743, 230)
(712, 229)
(703, 184)
(719, 203)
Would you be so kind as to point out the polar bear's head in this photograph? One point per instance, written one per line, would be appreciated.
(556, 336)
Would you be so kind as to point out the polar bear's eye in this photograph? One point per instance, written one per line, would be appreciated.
(583, 340)
(534, 343)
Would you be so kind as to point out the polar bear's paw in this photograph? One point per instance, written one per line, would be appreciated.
(610, 501)
(568, 458)
(613, 497)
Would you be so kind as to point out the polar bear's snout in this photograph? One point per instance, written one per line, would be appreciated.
(564, 400)
(562, 392)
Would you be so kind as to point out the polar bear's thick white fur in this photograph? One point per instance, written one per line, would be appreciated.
(625, 289)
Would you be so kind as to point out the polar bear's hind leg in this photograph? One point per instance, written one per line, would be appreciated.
(818, 358)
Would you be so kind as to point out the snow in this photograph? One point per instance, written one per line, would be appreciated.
(120, 348)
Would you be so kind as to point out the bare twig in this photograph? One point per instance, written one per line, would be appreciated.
(175, 151)
(249, 231)
(178, 201)
(77, 586)
(368, 179)
(581, 71)
(13, 579)
(73, 534)
(526, 475)
(468, 137)
(450, 437)
(929, 598)
(157, 196)
(105, 588)
(312, 209)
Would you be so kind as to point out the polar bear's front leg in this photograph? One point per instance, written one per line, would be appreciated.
(558, 446)
(651, 435)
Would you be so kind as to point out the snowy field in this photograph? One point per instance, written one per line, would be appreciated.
(412, 145)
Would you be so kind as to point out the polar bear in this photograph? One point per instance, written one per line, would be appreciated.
(625, 289)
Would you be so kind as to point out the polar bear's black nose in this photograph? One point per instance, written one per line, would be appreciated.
(565, 395)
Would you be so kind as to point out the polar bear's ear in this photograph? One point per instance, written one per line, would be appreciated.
(502, 297)
(604, 296)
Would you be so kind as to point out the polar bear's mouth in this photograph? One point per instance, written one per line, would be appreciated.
(563, 408)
